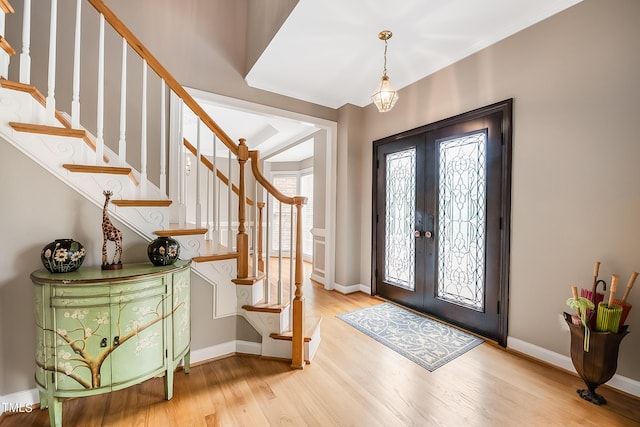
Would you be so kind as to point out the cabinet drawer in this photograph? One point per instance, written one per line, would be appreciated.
(136, 286)
(84, 291)
(137, 291)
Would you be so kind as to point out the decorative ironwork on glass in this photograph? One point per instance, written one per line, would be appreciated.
(462, 220)
(399, 262)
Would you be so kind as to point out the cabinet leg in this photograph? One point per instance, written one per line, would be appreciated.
(44, 402)
(55, 412)
(168, 384)
(187, 362)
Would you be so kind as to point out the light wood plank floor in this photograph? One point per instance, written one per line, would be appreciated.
(353, 381)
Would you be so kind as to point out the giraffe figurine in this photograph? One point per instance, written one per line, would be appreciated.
(110, 233)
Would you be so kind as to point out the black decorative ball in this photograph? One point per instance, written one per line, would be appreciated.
(163, 251)
(62, 256)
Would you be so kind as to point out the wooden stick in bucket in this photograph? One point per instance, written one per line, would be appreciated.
(623, 302)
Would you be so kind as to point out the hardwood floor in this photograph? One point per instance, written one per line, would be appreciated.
(353, 381)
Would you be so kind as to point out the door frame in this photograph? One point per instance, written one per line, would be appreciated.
(506, 108)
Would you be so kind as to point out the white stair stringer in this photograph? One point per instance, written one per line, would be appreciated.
(219, 274)
(191, 246)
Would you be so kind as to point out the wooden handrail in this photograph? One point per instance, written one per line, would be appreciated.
(162, 72)
(222, 177)
(254, 155)
(6, 6)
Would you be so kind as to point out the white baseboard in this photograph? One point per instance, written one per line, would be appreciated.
(237, 346)
(618, 382)
(316, 278)
(352, 288)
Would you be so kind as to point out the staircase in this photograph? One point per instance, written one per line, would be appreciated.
(175, 197)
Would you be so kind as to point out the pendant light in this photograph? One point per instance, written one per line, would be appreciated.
(385, 96)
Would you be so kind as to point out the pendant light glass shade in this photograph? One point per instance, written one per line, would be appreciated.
(385, 96)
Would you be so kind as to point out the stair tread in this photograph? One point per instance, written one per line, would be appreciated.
(6, 46)
(266, 308)
(141, 202)
(249, 280)
(97, 169)
(176, 229)
(215, 257)
(312, 324)
(48, 130)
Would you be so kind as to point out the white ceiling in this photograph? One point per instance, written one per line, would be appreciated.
(328, 52)
(278, 138)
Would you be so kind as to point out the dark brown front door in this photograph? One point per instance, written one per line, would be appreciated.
(441, 204)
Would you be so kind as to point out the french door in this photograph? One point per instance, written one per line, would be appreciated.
(441, 219)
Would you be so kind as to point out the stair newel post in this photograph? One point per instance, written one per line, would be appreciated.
(122, 142)
(260, 232)
(53, 31)
(242, 239)
(297, 341)
(75, 102)
(25, 57)
(100, 113)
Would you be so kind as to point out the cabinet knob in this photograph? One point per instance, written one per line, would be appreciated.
(116, 340)
(103, 343)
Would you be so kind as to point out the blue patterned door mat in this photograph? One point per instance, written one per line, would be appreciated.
(428, 343)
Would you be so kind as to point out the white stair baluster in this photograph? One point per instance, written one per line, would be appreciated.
(53, 30)
(208, 204)
(143, 132)
(100, 115)
(25, 58)
(122, 142)
(182, 172)
(229, 196)
(267, 251)
(215, 213)
(255, 232)
(75, 103)
(163, 137)
(280, 298)
(291, 276)
(197, 166)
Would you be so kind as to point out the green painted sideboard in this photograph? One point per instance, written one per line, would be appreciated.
(103, 330)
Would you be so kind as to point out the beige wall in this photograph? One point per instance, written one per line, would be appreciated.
(350, 212)
(575, 83)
